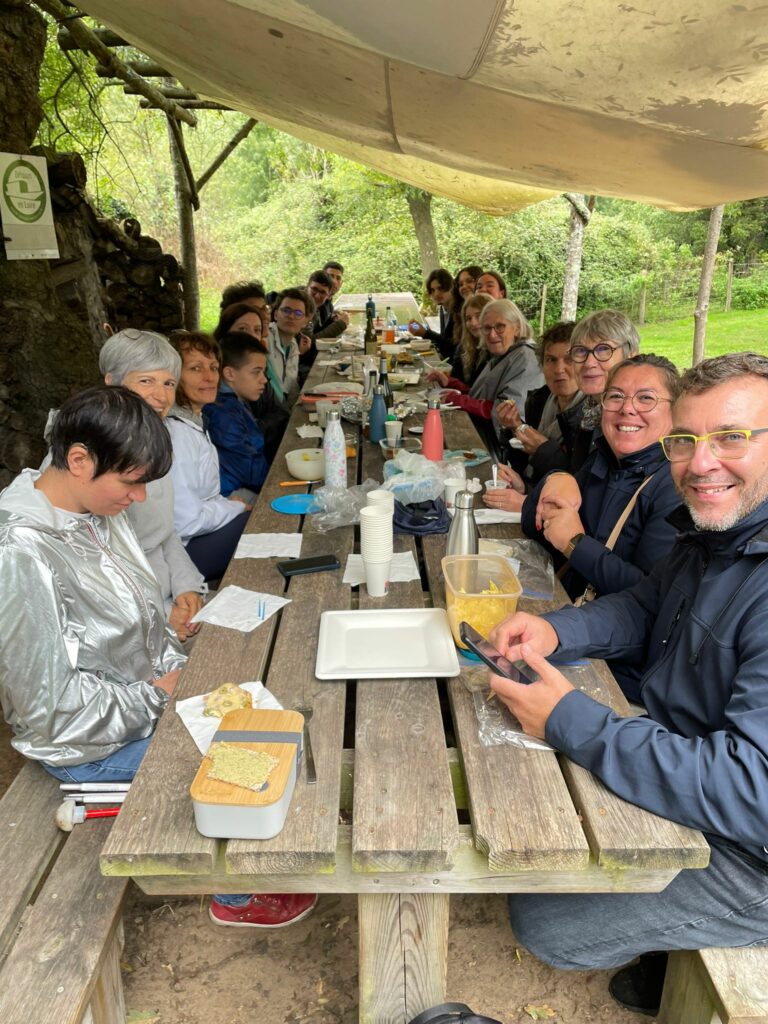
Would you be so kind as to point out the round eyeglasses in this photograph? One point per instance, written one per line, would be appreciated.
(724, 444)
(642, 401)
(601, 352)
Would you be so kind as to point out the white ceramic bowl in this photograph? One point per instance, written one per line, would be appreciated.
(306, 463)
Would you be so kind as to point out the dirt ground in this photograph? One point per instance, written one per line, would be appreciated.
(178, 968)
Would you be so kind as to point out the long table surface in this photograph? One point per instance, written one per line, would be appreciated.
(387, 812)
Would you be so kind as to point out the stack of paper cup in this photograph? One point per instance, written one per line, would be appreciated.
(376, 544)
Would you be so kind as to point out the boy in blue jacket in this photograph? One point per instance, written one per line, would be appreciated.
(698, 623)
(231, 425)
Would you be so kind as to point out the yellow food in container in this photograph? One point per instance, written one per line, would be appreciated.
(479, 589)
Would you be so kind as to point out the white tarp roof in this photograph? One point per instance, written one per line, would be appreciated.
(494, 103)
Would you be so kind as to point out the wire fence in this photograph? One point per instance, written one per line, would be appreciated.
(660, 294)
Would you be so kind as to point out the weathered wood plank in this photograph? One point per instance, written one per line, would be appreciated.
(403, 955)
(108, 1001)
(401, 762)
(521, 811)
(739, 979)
(688, 994)
(470, 873)
(29, 840)
(52, 968)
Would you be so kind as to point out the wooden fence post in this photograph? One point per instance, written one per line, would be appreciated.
(729, 287)
(643, 297)
(543, 309)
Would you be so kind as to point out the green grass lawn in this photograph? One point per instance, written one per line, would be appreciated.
(726, 332)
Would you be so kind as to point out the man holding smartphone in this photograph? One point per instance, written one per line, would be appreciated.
(698, 623)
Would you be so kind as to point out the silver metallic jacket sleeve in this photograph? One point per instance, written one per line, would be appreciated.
(42, 690)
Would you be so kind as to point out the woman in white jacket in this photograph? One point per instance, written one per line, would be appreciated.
(208, 523)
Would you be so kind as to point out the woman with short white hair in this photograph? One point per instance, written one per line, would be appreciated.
(145, 363)
(510, 372)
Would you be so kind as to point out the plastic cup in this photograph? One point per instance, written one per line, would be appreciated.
(498, 485)
(453, 485)
(385, 499)
(394, 431)
(377, 576)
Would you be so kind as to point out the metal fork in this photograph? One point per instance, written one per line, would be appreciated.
(306, 711)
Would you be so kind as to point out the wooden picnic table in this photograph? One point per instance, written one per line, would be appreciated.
(409, 806)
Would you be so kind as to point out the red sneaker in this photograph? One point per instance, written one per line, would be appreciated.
(265, 910)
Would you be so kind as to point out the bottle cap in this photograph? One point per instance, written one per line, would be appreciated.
(433, 403)
(463, 499)
(333, 414)
(379, 389)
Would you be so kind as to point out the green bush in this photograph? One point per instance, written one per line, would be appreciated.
(749, 293)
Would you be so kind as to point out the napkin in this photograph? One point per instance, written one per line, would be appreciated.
(307, 430)
(487, 516)
(237, 608)
(403, 569)
(269, 545)
(202, 728)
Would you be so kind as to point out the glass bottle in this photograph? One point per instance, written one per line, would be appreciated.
(370, 336)
(370, 307)
(389, 399)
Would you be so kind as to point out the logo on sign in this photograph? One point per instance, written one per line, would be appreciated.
(24, 192)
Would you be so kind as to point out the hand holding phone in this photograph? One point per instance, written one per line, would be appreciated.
(488, 654)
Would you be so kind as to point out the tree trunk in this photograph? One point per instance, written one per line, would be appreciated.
(187, 246)
(581, 211)
(701, 312)
(420, 205)
(46, 351)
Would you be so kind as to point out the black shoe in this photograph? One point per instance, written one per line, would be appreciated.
(639, 986)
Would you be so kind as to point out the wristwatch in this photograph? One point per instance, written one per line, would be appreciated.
(571, 545)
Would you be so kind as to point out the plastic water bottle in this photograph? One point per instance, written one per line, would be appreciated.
(335, 450)
(378, 416)
(432, 439)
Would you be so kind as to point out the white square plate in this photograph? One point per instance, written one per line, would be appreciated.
(390, 643)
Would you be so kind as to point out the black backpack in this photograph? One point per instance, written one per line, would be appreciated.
(452, 1013)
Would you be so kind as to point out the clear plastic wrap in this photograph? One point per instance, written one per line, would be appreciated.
(340, 506)
(413, 478)
(531, 563)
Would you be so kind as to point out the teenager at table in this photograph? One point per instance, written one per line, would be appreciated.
(293, 310)
(439, 285)
(471, 353)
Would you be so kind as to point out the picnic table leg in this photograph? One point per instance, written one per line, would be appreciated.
(403, 955)
(107, 1004)
(686, 992)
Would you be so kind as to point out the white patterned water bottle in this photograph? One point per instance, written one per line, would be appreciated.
(335, 450)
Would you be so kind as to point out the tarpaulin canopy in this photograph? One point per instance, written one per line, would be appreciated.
(493, 103)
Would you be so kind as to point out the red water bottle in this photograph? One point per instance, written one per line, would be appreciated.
(432, 441)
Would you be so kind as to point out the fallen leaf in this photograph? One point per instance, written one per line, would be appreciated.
(542, 1012)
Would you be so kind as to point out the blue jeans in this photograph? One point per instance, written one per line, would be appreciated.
(118, 767)
(121, 767)
(725, 904)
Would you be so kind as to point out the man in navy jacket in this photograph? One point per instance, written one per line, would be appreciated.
(699, 625)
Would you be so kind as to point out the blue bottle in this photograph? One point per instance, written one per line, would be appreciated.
(370, 307)
(377, 416)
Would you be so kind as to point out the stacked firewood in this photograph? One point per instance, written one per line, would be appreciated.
(108, 270)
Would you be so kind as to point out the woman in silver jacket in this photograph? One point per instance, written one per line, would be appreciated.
(146, 363)
(87, 660)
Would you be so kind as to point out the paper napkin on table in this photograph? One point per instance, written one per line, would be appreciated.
(487, 516)
(269, 545)
(403, 569)
(309, 430)
(238, 608)
(202, 728)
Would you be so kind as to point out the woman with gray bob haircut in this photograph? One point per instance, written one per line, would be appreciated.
(145, 363)
(510, 372)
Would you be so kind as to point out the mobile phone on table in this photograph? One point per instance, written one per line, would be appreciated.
(488, 654)
(302, 566)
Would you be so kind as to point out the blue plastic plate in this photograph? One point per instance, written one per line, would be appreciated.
(295, 504)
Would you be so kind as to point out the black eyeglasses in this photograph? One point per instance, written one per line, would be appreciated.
(601, 352)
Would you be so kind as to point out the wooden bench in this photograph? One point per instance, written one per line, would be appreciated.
(711, 985)
(60, 919)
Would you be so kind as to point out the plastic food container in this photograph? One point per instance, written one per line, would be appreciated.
(224, 810)
(306, 463)
(479, 589)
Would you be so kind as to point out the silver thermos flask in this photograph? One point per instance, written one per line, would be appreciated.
(462, 536)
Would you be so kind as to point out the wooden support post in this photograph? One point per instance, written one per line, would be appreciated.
(233, 143)
(643, 299)
(543, 310)
(686, 995)
(729, 287)
(186, 216)
(701, 312)
(394, 988)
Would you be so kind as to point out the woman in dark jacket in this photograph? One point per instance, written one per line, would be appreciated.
(573, 516)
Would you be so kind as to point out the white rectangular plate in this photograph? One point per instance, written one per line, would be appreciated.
(390, 643)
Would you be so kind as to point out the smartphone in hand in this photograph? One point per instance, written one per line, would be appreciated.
(488, 654)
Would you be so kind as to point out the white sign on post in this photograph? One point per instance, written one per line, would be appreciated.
(25, 208)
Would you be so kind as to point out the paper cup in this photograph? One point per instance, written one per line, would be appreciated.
(377, 577)
(453, 485)
(385, 499)
(394, 431)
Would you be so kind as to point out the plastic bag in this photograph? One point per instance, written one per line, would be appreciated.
(340, 506)
(531, 563)
(413, 478)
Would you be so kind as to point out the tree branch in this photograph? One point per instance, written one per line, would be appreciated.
(577, 202)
